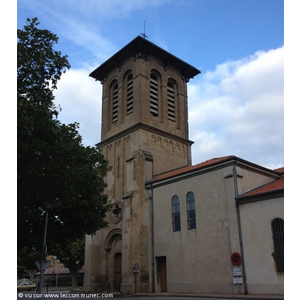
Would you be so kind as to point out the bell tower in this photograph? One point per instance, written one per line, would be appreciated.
(144, 132)
(145, 91)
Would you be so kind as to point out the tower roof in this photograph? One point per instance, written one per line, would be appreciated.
(142, 48)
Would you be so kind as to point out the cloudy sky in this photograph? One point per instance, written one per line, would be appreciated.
(236, 104)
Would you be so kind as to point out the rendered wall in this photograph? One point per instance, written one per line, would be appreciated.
(198, 260)
(256, 219)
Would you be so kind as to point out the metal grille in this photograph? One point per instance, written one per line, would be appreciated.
(171, 101)
(115, 103)
(278, 240)
(154, 95)
(129, 94)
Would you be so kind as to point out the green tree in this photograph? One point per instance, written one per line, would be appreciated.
(72, 256)
(20, 271)
(54, 167)
(26, 262)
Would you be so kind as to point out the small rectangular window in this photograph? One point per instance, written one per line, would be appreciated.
(278, 241)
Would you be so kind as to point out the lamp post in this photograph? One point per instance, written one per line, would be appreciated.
(44, 250)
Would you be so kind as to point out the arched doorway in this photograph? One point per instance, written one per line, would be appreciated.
(113, 247)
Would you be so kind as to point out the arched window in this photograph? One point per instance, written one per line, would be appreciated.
(176, 213)
(278, 241)
(129, 95)
(190, 208)
(154, 94)
(171, 100)
(115, 104)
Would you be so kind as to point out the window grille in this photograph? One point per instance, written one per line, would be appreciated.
(191, 213)
(171, 101)
(278, 241)
(176, 213)
(115, 103)
(129, 94)
(154, 95)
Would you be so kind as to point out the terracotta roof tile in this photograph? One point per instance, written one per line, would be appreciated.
(279, 170)
(275, 185)
(191, 168)
(59, 270)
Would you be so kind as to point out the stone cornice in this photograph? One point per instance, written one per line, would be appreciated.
(149, 128)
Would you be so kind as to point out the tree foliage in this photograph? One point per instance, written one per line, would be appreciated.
(54, 167)
(72, 256)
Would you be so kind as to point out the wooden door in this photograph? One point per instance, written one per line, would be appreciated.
(117, 271)
(162, 272)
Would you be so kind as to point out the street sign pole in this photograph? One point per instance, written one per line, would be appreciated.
(43, 254)
(135, 271)
(236, 260)
(42, 266)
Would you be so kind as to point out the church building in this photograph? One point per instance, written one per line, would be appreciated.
(215, 227)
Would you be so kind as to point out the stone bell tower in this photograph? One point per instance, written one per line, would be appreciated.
(144, 132)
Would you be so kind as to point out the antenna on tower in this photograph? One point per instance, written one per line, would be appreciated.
(144, 34)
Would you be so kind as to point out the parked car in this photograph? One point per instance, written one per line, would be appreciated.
(25, 284)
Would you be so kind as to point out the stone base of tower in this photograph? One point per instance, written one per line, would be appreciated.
(127, 289)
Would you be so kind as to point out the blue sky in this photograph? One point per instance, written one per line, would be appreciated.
(235, 105)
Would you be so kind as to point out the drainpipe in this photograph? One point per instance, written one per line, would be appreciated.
(152, 242)
(149, 187)
(239, 228)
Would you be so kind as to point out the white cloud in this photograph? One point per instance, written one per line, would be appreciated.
(72, 24)
(80, 99)
(88, 39)
(238, 109)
